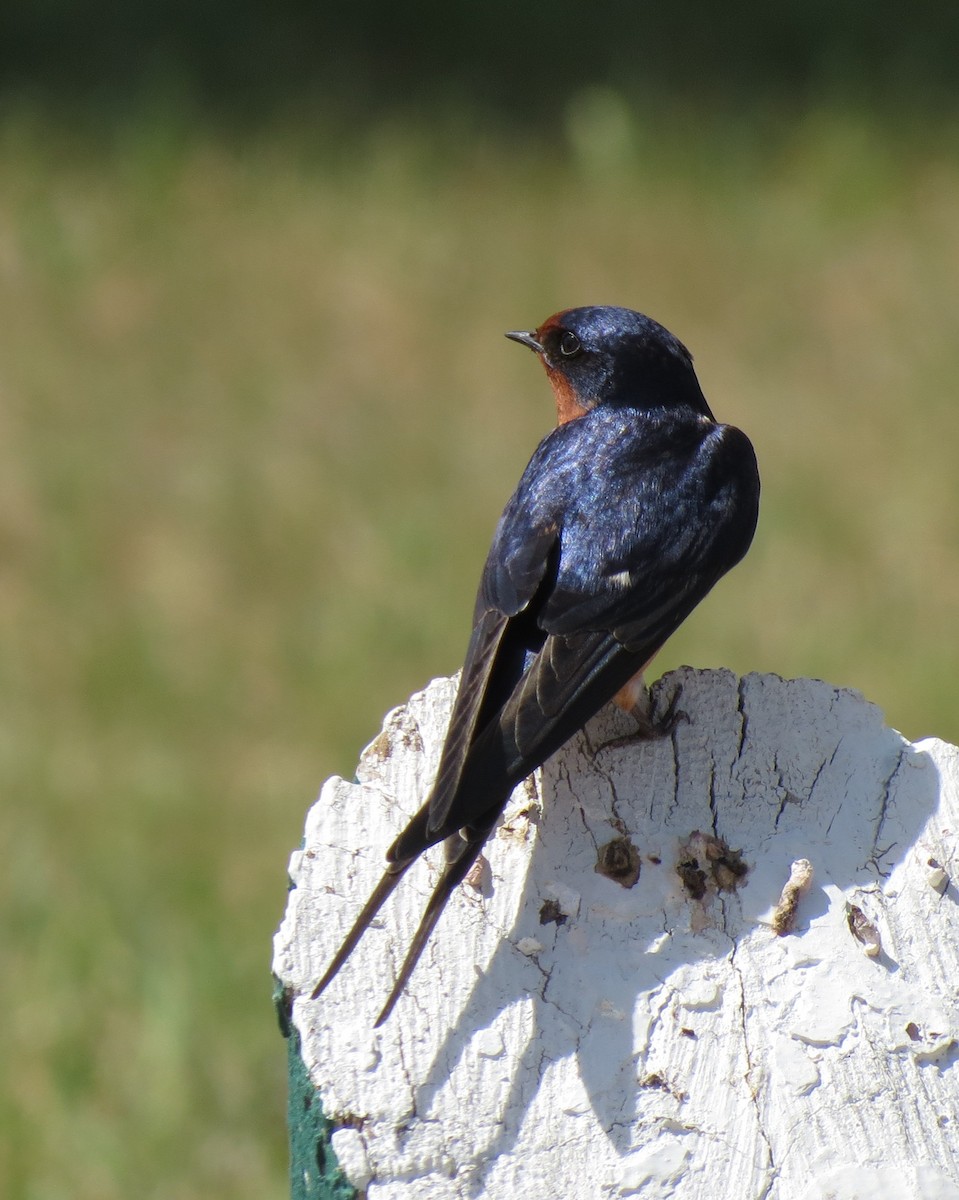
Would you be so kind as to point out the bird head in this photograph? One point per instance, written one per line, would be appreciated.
(605, 355)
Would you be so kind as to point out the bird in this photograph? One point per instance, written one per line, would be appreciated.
(627, 514)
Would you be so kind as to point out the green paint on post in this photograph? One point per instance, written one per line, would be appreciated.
(314, 1172)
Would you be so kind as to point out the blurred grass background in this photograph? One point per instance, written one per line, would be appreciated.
(257, 422)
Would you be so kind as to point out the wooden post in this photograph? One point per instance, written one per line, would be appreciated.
(704, 1028)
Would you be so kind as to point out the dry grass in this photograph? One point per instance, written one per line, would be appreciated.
(257, 420)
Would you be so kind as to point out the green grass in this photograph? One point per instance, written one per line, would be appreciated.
(257, 421)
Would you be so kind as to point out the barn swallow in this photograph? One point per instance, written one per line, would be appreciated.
(627, 514)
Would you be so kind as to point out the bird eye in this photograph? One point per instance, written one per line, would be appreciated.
(569, 345)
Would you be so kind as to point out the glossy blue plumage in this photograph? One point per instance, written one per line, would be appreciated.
(627, 514)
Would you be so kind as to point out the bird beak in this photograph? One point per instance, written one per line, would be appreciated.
(525, 339)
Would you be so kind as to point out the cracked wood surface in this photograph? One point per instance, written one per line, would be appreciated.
(569, 1036)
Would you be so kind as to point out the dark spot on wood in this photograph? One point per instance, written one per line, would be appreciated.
(552, 914)
(693, 877)
(619, 860)
(347, 1120)
(412, 740)
(863, 930)
(657, 1082)
(381, 746)
(706, 858)
(729, 869)
(913, 1030)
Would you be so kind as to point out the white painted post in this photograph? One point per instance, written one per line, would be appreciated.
(569, 1036)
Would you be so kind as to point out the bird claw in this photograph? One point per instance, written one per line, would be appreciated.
(651, 726)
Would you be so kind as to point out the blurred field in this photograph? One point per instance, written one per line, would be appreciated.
(257, 421)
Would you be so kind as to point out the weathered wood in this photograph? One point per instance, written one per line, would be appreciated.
(568, 1036)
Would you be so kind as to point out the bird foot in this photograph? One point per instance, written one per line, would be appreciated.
(650, 724)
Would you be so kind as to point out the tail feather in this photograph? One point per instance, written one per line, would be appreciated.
(462, 851)
(381, 893)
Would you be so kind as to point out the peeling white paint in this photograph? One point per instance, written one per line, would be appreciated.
(350, 1151)
(651, 1044)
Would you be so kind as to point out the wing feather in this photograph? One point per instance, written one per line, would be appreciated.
(474, 682)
